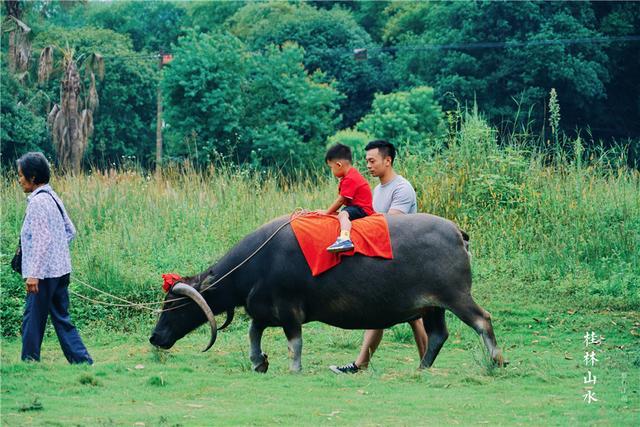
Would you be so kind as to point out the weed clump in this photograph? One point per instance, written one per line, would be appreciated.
(34, 405)
(87, 379)
(157, 381)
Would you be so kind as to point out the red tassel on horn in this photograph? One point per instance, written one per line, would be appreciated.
(169, 280)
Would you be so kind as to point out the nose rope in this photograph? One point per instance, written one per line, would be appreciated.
(130, 303)
(138, 305)
(298, 212)
(110, 304)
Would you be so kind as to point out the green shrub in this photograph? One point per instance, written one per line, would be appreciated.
(353, 139)
(407, 119)
(263, 109)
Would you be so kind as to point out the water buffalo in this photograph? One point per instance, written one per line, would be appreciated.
(430, 272)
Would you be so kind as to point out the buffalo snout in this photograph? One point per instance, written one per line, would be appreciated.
(157, 340)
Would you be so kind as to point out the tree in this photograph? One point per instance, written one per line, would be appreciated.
(124, 122)
(203, 90)
(262, 108)
(504, 79)
(373, 16)
(209, 16)
(290, 113)
(151, 25)
(328, 38)
(19, 53)
(407, 119)
(71, 121)
(22, 129)
(619, 115)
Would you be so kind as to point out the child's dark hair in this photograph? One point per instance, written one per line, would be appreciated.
(385, 148)
(338, 152)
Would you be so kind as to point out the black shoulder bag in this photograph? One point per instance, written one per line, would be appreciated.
(16, 261)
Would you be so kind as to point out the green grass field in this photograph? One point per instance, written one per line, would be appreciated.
(556, 254)
(131, 383)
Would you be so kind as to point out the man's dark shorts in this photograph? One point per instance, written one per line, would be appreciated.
(355, 212)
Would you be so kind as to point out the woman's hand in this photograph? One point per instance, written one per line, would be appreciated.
(32, 285)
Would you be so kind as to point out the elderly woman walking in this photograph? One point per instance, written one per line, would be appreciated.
(46, 263)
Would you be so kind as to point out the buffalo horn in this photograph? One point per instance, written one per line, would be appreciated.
(188, 291)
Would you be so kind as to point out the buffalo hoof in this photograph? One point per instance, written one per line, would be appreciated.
(423, 365)
(500, 361)
(262, 367)
(503, 363)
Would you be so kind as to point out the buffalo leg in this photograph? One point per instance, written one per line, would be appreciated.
(294, 338)
(258, 358)
(480, 320)
(436, 328)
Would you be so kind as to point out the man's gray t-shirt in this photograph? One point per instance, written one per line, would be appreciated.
(396, 194)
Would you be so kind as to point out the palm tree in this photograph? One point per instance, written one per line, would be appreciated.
(19, 52)
(71, 121)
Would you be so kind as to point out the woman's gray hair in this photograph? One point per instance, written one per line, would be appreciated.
(35, 166)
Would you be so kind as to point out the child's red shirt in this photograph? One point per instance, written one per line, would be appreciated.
(356, 191)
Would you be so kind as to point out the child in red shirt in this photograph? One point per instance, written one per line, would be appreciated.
(354, 193)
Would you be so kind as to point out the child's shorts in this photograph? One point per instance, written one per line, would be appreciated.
(355, 212)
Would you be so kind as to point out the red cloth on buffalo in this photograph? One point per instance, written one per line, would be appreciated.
(315, 232)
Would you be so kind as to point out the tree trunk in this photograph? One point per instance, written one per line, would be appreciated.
(67, 129)
(159, 123)
(19, 53)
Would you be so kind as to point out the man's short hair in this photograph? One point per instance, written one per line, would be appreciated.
(338, 152)
(35, 165)
(384, 147)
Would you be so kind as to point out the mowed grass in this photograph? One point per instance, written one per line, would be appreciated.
(133, 384)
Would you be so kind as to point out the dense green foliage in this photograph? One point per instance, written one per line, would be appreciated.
(328, 38)
(209, 16)
(446, 46)
(124, 118)
(260, 108)
(519, 77)
(151, 25)
(407, 119)
(22, 129)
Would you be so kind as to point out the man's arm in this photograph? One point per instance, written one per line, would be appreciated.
(395, 212)
(402, 200)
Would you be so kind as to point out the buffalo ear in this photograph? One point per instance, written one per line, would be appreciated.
(228, 320)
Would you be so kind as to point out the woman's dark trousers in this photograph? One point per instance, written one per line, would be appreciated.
(52, 298)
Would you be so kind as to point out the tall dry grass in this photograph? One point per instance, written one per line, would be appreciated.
(562, 231)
